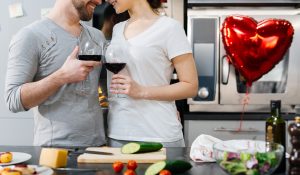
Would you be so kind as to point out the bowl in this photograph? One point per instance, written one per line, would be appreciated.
(249, 157)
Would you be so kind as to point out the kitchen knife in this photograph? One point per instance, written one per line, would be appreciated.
(90, 152)
(78, 169)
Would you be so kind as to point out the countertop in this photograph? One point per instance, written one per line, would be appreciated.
(106, 169)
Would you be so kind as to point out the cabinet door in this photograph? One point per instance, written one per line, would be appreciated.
(224, 130)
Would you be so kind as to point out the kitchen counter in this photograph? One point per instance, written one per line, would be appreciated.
(106, 169)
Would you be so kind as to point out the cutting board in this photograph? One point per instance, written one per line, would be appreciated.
(118, 156)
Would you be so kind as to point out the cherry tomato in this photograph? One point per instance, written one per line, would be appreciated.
(132, 165)
(165, 172)
(118, 166)
(129, 172)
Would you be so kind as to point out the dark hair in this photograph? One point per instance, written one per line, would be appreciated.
(104, 11)
(154, 4)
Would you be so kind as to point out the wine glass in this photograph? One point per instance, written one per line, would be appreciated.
(114, 61)
(89, 50)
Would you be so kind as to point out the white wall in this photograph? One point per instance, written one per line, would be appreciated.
(15, 129)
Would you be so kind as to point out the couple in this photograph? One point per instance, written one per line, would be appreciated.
(44, 73)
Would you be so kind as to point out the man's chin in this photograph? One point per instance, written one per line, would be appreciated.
(86, 18)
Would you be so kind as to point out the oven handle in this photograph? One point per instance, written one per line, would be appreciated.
(222, 129)
(225, 69)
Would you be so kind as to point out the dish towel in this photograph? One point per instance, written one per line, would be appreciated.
(202, 148)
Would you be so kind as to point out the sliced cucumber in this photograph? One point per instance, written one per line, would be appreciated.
(175, 166)
(156, 168)
(140, 147)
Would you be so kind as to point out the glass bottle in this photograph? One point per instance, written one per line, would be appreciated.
(275, 131)
(294, 160)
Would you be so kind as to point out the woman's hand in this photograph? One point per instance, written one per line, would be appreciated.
(122, 84)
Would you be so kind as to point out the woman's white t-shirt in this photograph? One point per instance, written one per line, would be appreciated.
(148, 58)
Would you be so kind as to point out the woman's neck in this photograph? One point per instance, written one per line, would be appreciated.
(141, 10)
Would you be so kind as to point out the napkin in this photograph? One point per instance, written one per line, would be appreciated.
(202, 148)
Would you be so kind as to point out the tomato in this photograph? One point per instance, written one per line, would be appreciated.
(129, 172)
(165, 172)
(118, 166)
(132, 165)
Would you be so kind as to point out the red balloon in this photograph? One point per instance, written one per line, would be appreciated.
(255, 47)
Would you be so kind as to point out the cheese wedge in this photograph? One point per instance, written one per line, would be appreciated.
(53, 157)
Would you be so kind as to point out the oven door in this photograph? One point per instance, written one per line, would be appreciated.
(282, 82)
(203, 33)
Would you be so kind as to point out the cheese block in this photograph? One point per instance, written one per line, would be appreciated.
(53, 157)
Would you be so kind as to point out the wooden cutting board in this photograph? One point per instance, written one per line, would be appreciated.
(118, 156)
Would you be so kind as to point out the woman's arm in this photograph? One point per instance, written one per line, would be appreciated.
(185, 88)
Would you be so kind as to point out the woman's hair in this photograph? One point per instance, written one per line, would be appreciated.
(154, 4)
(104, 12)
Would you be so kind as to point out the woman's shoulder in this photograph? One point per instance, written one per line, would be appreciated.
(119, 25)
(170, 22)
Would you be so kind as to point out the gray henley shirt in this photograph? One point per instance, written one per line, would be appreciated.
(70, 117)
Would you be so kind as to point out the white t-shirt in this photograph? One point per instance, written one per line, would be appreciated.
(148, 61)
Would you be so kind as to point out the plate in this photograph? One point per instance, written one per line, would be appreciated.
(40, 170)
(18, 157)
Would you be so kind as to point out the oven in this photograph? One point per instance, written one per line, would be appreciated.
(221, 88)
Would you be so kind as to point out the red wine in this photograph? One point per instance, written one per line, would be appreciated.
(89, 57)
(115, 67)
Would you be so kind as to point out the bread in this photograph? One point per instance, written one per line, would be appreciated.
(18, 170)
(6, 157)
(8, 171)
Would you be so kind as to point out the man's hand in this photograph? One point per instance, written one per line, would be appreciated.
(74, 70)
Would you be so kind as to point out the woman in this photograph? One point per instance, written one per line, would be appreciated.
(153, 46)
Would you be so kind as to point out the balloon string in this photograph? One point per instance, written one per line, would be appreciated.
(245, 102)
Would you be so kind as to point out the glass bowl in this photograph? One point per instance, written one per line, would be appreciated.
(249, 157)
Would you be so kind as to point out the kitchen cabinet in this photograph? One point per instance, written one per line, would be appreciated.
(227, 130)
(218, 129)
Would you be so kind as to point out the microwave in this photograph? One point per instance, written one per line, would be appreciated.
(221, 88)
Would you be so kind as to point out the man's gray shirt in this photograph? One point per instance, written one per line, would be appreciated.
(72, 116)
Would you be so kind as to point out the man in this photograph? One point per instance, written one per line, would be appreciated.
(43, 72)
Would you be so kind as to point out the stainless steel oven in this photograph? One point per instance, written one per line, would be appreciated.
(220, 88)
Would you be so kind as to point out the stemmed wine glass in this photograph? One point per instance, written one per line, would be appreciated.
(89, 50)
(114, 61)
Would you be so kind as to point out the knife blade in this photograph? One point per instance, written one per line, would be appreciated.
(78, 169)
(91, 152)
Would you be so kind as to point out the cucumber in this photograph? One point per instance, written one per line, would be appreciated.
(140, 147)
(175, 166)
(156, 168)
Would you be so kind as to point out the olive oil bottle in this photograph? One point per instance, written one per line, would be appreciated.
(275, 131)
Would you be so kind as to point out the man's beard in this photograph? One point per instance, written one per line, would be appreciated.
(81, 10)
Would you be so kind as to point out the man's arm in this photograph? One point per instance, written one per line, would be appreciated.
(28, 95)
(73, 70)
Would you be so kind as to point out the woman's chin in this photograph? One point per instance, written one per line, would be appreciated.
(118, 10)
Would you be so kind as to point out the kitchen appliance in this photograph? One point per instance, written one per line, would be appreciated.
(221, 88)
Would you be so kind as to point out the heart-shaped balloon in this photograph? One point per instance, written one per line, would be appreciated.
(254, 48)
